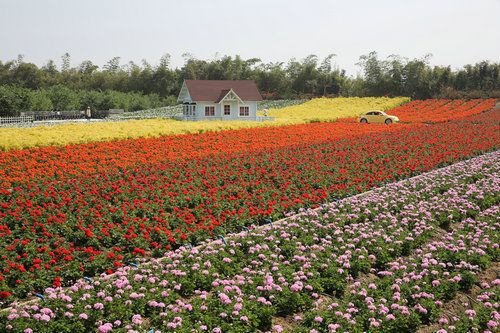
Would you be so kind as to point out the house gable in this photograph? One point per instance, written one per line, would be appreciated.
(184, 96)
(228, 95)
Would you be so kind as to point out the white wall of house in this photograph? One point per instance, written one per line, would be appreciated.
(234, 107)
(200, 108)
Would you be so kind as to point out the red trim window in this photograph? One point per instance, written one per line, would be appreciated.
(209, 111)
(244, 111)
(227, 110)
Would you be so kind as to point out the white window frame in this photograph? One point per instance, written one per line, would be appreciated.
(224, 109)
(212, 107)
(244, 106)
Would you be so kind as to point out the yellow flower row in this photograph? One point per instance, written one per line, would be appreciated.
(320, 109)
(327, 109)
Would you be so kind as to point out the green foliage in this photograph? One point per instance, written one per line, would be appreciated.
(14, 100)
(138, 87)
(398, 76)
(10, 101)
(63, 98)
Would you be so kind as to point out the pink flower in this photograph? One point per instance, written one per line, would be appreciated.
(297, 286)
(105, 328)
(224, 298)
(333, 327)
(98, 306)
(137, 319)
(470, 313)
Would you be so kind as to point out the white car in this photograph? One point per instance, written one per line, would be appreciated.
(377, 117)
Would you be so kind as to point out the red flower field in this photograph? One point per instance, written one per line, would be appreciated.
(98, 206)
(438, 110)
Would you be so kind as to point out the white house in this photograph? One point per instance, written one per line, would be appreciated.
(219, 100)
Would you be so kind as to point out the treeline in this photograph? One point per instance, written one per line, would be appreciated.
(132, 86)
(397, 76)
(14, 100)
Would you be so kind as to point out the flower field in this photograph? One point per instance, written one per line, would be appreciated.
(19, 166)
(419, 255)
(387, 261)
(314, 110)
(437, 110)
(57, 228)
(330, 109)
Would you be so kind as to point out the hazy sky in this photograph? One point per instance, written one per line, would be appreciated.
(456, 32)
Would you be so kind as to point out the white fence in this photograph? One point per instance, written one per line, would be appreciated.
(200, 118)
(15, 120)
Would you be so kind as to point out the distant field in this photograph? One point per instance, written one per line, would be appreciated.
(321, 109)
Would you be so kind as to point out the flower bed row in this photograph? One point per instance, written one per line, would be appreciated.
(289, 269)
(54, 232)
(331, 109)
(21, 166)
(438, 110)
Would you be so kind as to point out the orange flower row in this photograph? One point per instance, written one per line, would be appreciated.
(439, 110)
(21, 166)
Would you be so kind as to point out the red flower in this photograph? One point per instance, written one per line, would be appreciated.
(4, 294)
(139, 251)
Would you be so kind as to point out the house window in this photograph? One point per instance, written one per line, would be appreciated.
(227, 110)
(244, 111)
(189, 110)
(209, 111)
